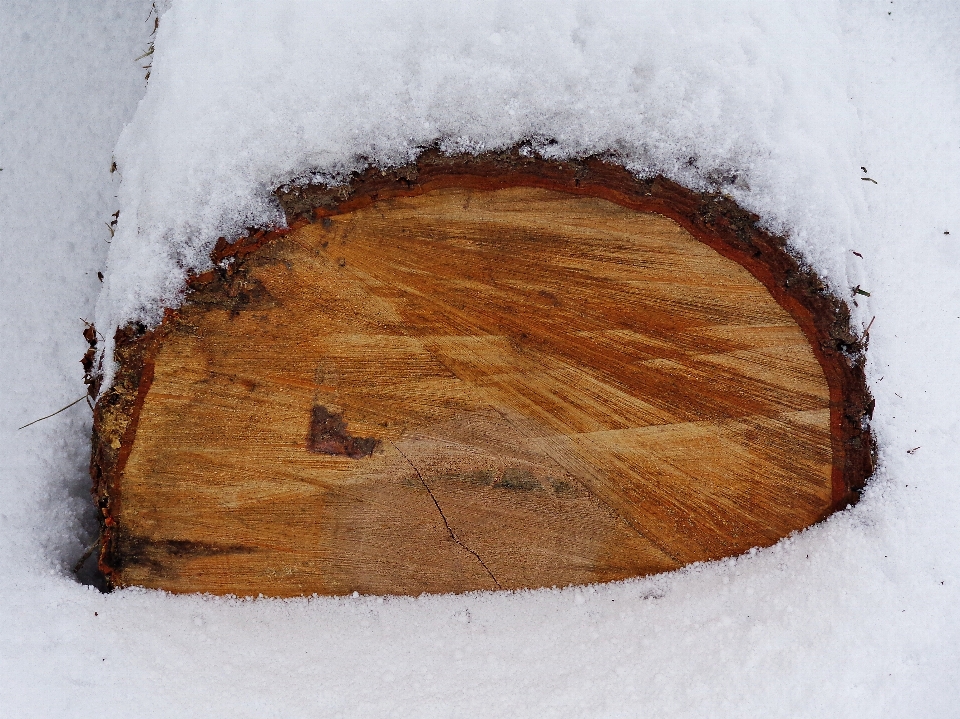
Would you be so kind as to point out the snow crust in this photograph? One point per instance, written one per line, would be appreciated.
(247, 95)
(780, 105)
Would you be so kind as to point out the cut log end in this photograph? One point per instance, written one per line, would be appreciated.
(479, 373)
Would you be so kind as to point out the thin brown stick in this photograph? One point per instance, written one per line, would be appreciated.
(85, 556)
(78, 401)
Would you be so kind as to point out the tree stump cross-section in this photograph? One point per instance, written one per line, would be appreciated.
(490, 372)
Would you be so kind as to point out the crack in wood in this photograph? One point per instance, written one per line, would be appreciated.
(453, 535)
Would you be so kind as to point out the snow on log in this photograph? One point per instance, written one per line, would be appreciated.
(479, 372)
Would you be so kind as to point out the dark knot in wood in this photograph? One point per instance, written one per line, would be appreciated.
(329, 435)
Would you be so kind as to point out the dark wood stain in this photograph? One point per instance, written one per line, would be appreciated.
(328, 435)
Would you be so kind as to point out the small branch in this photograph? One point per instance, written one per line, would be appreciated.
(78, 401)
(85, 556)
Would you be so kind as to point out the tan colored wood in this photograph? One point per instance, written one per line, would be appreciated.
(471, 389)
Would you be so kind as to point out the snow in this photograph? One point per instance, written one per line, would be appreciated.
(854, 617)
(248, 95)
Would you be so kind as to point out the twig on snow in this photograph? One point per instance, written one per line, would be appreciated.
(77, 401)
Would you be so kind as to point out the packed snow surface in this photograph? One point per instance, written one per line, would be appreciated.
(787, 107)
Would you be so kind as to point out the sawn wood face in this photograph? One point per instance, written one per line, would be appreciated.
(468, 389)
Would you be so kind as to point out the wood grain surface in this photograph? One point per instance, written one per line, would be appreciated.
(464, 388)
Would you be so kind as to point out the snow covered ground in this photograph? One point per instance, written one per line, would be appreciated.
(856, 617)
